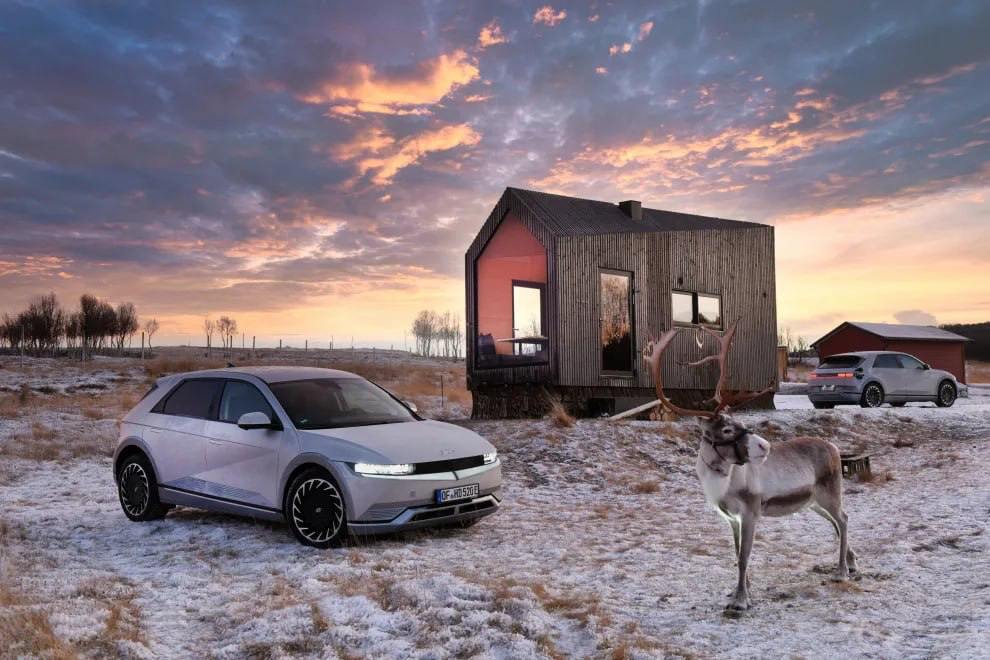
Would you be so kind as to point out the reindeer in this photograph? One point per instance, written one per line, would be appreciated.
(743, 479)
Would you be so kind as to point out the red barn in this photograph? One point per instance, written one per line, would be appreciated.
(939, 348)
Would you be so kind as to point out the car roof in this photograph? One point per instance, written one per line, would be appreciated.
(271, 374)
(865, 354)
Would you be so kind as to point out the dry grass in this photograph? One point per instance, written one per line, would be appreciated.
(163, 366)
(44, 443)
(559, 415)
(646, 486)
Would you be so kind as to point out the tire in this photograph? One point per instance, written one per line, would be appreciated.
(872, 396)
(823, 406)
(315, 511)
(946, 394)
(137, 490)
(898, 404)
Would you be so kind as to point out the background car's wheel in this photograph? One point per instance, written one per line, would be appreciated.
(823, 406)
(315, 510)
(137, 489)
(946, 394)
(898, 404)
(872, 396)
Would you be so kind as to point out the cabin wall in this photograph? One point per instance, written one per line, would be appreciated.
(737, 264)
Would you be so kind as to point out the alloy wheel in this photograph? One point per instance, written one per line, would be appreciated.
(134, 489)
(947, 394)
(317, 510)
(874, 397)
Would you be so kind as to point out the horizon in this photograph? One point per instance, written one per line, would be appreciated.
(303, 175)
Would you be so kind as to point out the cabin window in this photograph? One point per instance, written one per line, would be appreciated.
(616, 321)
(528, 312)
(691, 308)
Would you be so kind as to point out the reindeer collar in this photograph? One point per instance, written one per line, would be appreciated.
(735, 441)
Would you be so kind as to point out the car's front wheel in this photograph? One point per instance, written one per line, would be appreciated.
(946, 394)
(137, 489)
(315, 510)
(872, 396)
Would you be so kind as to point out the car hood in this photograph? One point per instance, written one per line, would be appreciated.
(405, 442)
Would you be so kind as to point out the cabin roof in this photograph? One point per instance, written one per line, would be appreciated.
(575, 216)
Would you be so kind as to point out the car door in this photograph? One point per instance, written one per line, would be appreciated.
(888, 370)
(175, 433)
(920, 381)
(242, 464)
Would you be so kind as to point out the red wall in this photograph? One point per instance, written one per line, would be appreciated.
(946, 355)
(512, 253)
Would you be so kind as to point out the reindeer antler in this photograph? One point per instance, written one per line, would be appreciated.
(724, 399)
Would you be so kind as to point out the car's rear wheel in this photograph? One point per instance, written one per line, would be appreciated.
(137, 489)
(946, 394)
(823, 406)
(315, 510)
(872, 396)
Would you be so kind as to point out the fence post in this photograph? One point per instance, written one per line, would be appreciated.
(142, 345)
(22, 347)
(306, 347)
(441, 391)
(279, 344)
(254, 353)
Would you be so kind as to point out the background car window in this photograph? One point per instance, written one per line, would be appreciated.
(840, 362)
(909, 362)
(886, 362)
(192, 398)
(240, 398)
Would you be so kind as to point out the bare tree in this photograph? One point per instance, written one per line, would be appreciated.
(126, 324)
(227, 328)
(150, 328)
(209, 327)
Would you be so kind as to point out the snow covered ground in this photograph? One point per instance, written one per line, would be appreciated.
(603, 548)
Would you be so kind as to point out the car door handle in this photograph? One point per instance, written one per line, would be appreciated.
(214, 441)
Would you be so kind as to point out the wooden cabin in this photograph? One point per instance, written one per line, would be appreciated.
(564, 293)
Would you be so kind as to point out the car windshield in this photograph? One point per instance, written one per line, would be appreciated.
(326, 403)
(840, 362)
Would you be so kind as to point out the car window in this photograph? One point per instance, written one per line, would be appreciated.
(323, 403)
(240, 398)
(886, 362)
(840, 362)
(909, 362)
(193, 398)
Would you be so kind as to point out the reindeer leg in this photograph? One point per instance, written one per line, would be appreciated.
(838, 518)
(740, 600)
(736, 533)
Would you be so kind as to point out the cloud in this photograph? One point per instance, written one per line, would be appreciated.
(361, 87)
(549, 16)
(491, 34)
(915, 317)
(644, 30)
(601, 70)
(382, 156)
(615, 49)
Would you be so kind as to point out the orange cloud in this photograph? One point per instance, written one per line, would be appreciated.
(378, 153)
(615, 49)
(549, 16)
(362, 89)
(600, 69)
(644, 30)
(476, 98)
(491, 34)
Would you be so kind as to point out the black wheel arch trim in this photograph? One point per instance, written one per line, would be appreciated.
(306, 461)
(129, 447)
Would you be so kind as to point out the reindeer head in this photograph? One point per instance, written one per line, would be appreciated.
(727, 438)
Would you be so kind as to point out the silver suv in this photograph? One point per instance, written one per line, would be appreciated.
(872, 378)
(326, 451)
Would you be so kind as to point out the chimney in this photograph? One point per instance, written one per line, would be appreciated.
(632, 208)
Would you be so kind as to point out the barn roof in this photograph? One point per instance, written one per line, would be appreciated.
(899, 331)
(574, 216)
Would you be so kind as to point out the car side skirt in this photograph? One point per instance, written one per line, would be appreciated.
(199, 501)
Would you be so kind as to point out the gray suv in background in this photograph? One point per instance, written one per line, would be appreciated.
(872, 378)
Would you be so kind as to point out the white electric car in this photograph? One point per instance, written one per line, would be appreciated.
(325, 450)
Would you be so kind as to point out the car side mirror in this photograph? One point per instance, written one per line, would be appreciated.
(926, 366)
(411, 406)
(254, 420)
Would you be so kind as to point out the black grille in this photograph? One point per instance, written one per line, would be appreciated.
(449, 466)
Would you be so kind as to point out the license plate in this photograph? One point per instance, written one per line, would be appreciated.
(828, 388)
(457, 493)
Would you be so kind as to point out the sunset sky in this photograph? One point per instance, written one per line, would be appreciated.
(320, 172)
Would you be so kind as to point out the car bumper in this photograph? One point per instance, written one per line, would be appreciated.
(378, 505)
(842, 394)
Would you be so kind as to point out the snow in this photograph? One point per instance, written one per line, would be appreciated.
(583, 560)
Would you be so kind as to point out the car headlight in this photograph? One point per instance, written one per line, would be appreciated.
(388, 470)
(490, 457)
